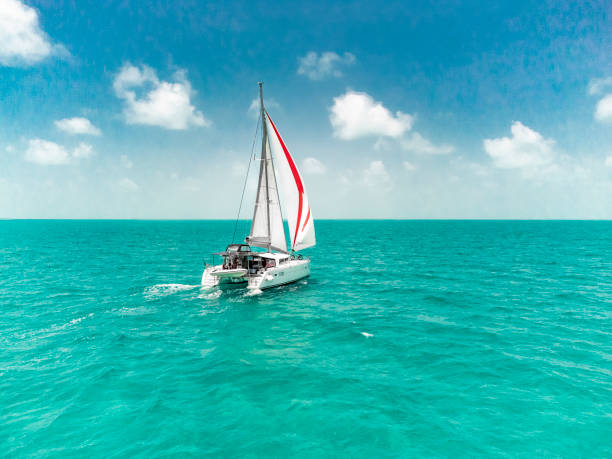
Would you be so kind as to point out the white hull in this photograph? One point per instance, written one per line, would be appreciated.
(288, 272)
(216, 275)
(285, 273)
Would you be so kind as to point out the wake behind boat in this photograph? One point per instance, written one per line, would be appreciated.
(276, 265)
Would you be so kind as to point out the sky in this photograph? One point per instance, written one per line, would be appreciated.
(133, 109)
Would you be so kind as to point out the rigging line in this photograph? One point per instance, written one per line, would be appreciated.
(246, 178)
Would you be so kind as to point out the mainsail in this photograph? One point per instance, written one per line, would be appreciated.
(267, 229)
(299, 216)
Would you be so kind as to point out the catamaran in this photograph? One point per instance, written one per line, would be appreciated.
(277, 265)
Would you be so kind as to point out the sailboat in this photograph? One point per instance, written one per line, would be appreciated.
(279, 263)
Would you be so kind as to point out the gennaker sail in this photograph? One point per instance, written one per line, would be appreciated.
(299, 215)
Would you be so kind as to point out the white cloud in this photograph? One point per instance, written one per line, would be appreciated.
(22, 41)
(83, 150)
(419, 144)
(77, 125)
(376, 176)
(603, 112)
(608, 161)
(526, 148)
(127, 184)
(356, 114)
(313, 166)
(125, 162)
(161, 103)
(317, 67)
(46, 153)
(597, 85)
(382, 144)
(409, 166)
(255, 108)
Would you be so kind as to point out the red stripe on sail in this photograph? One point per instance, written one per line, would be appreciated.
(297, 225)
(307, 217)
(296, 177)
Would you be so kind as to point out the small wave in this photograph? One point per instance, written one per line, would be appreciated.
(135, 311)
(253, 292)
(161, 290)
(367, 335)
(435, 319)
(80, 319)
(208, 295)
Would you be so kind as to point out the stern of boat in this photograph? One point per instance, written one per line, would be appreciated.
(208, 280)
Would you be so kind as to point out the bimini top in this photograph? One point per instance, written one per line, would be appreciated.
(238, 248)
(235, 248)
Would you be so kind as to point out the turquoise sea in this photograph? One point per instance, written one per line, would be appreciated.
(410, 339)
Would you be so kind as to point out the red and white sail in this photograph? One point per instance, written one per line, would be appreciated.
(297, 208)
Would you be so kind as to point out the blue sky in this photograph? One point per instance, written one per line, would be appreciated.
(391, 109)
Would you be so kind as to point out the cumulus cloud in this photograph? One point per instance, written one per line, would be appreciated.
(47, 153)
(126, 162)
(603, 111)
(376, 176)
(254, 108)
(77, 125)
(597, 85)
(356, 114)
(153, 102)
(313, 166)
(526, 148)
(126, 184)
(419, 144)
(83, 150)
(22, 41)
(318, 66)
(409, 166)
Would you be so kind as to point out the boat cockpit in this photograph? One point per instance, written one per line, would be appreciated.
(241, 256)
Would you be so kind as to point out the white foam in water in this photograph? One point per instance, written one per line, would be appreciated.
(367, 335)
(253, 292)
(80, 319)
(160, 290)
(208, 295)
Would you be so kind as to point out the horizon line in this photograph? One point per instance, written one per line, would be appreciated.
(319, 219)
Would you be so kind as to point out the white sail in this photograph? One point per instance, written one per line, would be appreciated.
(267, 229)
(299, 216)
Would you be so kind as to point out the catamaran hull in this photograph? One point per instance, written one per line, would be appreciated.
(214, 276)
(286, 273)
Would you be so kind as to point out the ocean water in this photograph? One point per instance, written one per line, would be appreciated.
(410, 338)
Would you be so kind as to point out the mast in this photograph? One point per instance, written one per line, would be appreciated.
(267, 231)
(264, 158)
